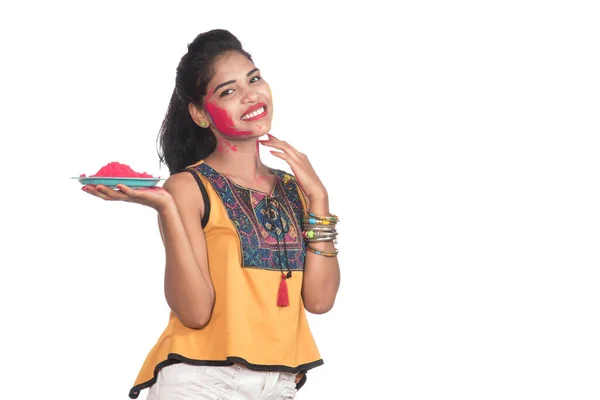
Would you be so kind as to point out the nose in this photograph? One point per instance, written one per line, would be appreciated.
(250, 96)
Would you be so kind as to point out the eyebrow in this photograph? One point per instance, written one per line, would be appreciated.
(232, 81)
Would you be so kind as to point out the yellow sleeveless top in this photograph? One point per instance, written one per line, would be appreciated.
(252, 239)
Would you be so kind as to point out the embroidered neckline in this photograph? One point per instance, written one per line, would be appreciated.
(281, 248)
(271, 194)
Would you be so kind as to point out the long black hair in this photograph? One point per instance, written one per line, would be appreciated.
(181, 141)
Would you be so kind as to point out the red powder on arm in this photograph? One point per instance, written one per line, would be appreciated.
(116, 169)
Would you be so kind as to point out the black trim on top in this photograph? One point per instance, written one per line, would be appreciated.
(204, 197)
(302, 381)
(174, 358)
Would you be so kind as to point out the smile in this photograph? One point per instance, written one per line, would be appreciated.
(255, 114)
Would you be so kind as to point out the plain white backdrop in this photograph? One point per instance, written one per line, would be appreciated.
(458, 142)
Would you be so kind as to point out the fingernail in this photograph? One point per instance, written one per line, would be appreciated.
(85, 189)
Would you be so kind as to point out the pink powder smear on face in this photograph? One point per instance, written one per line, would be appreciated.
(116, 169)
(223, 121)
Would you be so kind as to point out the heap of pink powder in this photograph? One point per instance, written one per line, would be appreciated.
(117, 170)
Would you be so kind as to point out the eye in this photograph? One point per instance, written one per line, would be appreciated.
(226, 92)
(255, 79)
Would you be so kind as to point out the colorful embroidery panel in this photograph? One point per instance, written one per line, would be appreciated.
(268, 226)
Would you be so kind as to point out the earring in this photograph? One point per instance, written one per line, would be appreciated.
(203, 124)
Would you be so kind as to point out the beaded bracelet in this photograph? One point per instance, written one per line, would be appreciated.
(310, 235)
(320, 228)
(316, 221)
(323, 253)
(331, 217)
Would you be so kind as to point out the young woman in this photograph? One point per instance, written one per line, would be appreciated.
(248, 248)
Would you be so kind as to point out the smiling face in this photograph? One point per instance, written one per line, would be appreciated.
(238, 100)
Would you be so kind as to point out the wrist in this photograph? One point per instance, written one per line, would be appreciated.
(166, 207)
(319, 206)
(319, 196)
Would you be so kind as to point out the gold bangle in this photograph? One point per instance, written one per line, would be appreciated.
(322, 253)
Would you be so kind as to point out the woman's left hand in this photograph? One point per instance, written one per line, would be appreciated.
(303, 171)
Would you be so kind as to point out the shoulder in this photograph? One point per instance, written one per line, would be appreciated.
(181, 181)
(184, 188)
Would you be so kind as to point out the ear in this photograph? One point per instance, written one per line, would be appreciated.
(199, 117)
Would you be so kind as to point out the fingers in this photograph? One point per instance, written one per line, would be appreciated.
(281, 155)
(111, 194)
(104, 192)
(127, 191)
(283, 146)
(92, 189)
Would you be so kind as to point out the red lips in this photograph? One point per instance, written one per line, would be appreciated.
(254, 108)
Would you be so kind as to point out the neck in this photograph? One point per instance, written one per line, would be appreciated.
(239, 158)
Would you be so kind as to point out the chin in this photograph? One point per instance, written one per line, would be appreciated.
(262, 128)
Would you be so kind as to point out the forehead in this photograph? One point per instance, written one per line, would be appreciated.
(232, 65)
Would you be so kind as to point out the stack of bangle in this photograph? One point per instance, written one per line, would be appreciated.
(319, 228)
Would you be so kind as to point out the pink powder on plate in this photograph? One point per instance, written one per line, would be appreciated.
(117, 170)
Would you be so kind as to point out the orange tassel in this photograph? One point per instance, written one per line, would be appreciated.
(282, 297)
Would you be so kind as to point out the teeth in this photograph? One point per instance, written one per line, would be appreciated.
(254, 113)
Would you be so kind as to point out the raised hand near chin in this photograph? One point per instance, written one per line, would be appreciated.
(300, 165)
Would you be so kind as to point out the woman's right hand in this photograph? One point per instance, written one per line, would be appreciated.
(155, 197)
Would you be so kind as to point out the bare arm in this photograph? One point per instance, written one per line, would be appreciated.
(188, 287)
(321, 274)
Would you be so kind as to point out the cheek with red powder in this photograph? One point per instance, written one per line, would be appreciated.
(223, 121)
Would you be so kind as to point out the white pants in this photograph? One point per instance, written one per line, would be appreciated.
(192, 382)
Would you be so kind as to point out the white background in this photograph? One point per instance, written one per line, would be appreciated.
(458, 141)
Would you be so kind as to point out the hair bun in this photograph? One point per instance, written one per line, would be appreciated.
(211, 38)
